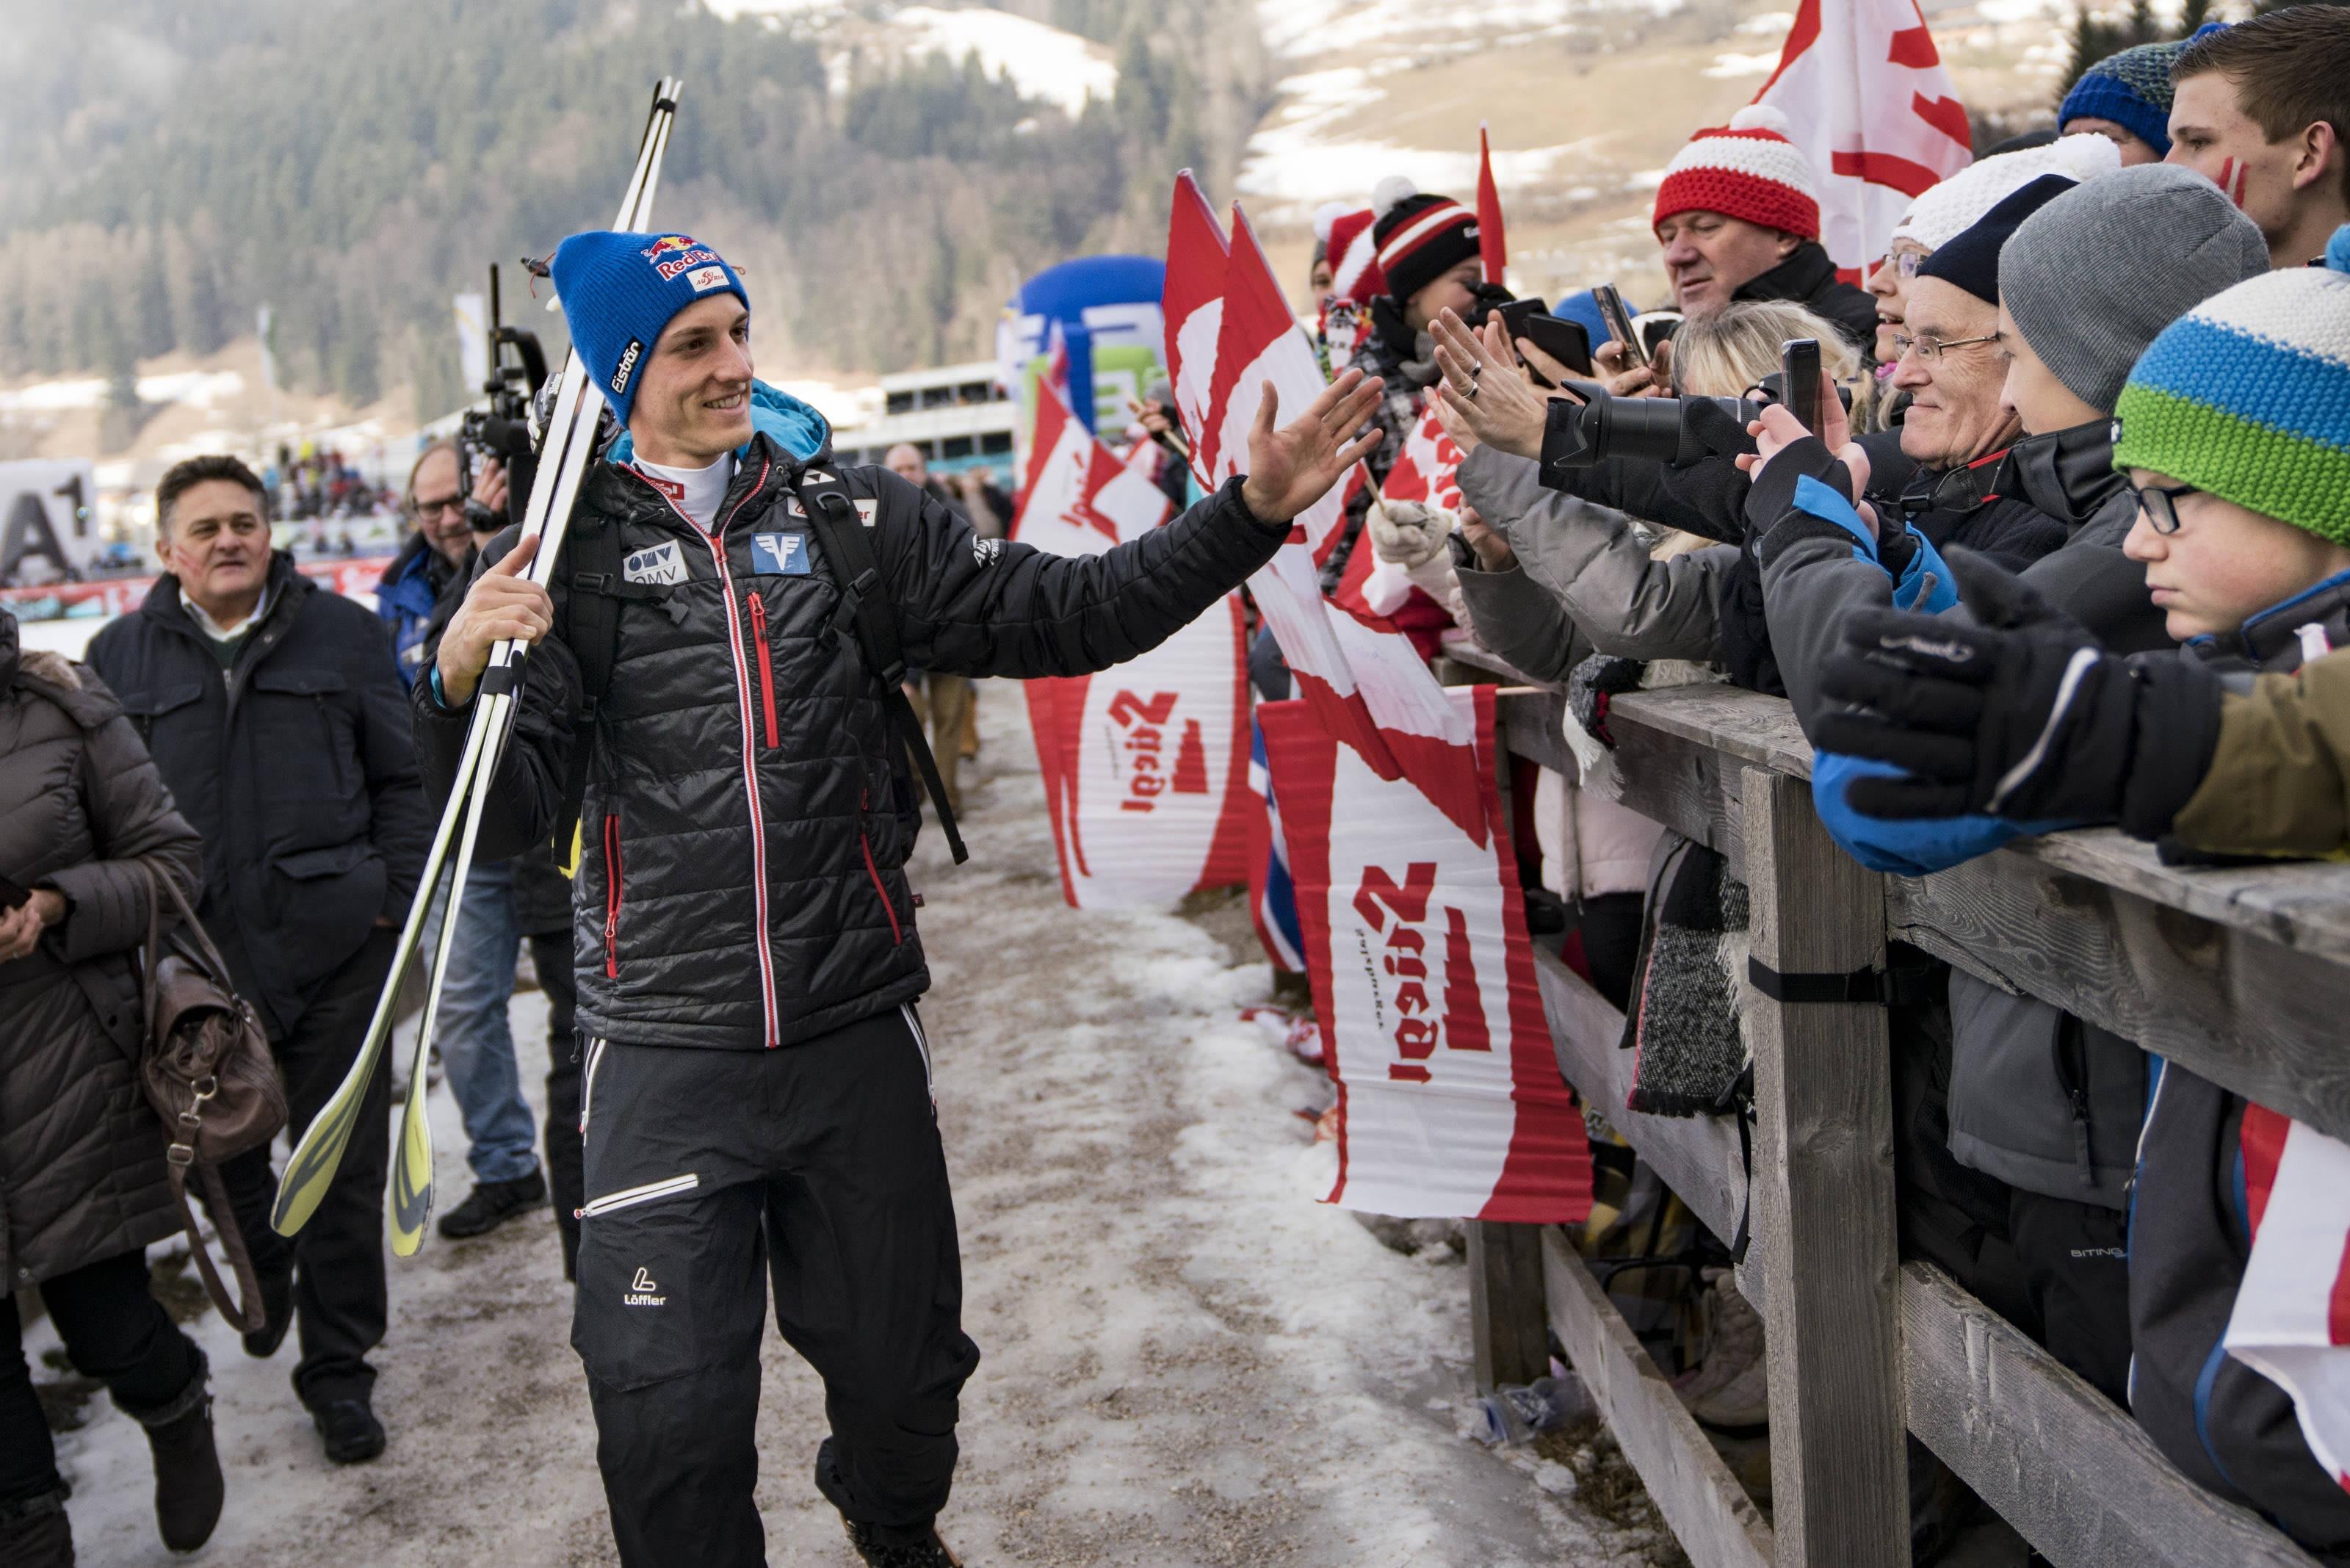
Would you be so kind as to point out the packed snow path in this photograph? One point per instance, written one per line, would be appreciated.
(1188, 1363)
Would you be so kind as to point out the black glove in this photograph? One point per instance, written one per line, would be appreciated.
(2022, 715)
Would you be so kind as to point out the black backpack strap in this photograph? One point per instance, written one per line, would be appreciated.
(590, 625)
(832, 515)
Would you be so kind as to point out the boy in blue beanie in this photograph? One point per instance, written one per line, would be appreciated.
(756, 1090)
(2126, 98)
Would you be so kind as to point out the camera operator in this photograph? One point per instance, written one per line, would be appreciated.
(438, 550)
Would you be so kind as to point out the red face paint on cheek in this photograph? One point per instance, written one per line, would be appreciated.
(2231, 181)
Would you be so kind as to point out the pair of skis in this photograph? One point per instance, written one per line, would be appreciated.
(565, 452)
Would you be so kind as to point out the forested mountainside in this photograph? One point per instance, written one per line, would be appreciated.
(351, 164)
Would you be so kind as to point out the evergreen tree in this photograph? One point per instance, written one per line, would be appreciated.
(154, 304)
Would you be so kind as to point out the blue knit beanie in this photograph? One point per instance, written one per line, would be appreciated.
(618, 290)
(2132, 90)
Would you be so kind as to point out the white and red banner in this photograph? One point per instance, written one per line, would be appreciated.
(1864, 89)
(1146, 764)
(1450, 1099)
(2291, 1319)
(1229, 334)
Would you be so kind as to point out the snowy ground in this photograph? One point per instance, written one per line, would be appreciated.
(1188, 1363)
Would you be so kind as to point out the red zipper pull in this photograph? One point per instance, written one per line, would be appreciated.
(767, 663)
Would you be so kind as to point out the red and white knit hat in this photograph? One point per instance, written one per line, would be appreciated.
(1747, 169)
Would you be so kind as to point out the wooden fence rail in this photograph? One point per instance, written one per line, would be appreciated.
(2243, 976)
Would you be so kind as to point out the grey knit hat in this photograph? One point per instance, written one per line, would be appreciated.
(2091, 278)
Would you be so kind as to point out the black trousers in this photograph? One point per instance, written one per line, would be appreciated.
(338, 1258)
(115, 1332)
(550, 953)
(815, 1168)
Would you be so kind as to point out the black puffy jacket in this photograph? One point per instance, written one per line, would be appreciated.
(1808, 277)
(741, 879)
(298, 770)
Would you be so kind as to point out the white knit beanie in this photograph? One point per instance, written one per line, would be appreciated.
(1959, 203)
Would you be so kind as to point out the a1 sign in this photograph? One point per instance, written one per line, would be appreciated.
(47, 533)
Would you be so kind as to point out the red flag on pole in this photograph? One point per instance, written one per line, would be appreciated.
(1492, 248)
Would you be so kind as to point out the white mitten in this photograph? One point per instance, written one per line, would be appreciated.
(1408, 532)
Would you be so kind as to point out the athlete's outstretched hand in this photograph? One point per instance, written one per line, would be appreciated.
(501, 604)
(1292, 468)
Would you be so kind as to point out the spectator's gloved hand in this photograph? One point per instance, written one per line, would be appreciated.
(2022, 715)
(1408, 532)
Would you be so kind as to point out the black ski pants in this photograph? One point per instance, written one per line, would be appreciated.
(550, 954)
(115, 1332)
(712, 1175)
(338, 1258)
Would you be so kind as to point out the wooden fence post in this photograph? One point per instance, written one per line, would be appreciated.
(1823, 1196)
(1509, 1326)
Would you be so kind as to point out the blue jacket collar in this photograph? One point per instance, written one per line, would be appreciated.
(795, 426)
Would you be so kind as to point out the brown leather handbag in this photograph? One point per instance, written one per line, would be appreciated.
(210, 1075)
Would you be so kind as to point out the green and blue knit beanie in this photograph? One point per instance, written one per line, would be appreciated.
(2132, 90)
(2247, 396)
(618, 290)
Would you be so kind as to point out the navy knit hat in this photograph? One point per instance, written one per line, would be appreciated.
(2132, 90)
(618, 290)
(1971, 260)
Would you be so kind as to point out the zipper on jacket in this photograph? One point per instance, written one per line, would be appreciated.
(897, 932)
(326, 729)
(767, 664)
(611, 906)
(2072, 1074)
(587, 1083)
(716, 539)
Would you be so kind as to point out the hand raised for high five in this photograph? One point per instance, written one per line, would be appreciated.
(1293, 467)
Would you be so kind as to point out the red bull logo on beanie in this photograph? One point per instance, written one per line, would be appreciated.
(674, 253)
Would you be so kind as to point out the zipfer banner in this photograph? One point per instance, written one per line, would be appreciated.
(1145, 764)
(1450, 1099)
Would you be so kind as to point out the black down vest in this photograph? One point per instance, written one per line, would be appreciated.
(742, 880)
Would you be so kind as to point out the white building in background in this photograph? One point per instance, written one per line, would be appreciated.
(957, 414)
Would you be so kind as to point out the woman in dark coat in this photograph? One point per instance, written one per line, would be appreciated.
(82, 1188)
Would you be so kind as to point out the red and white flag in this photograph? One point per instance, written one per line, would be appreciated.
(2292, 1318)
(1492, 249)
(1146, 764)
(1365, 680)
(1450, 1099)
(1192, 305)
(1864, 89)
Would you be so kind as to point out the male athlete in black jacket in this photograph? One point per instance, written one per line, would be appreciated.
(757, 1086)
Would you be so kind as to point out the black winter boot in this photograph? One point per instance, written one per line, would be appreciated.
(884, 1547)
(34, 1534)
(492, 1203)
(188, 1490)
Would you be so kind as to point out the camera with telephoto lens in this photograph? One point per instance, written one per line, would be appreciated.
(1657, 430)
(503, 430)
